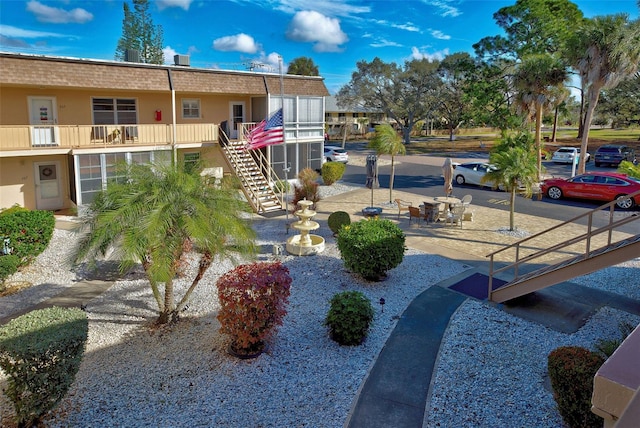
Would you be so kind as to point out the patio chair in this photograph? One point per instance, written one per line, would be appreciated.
(455, 214)
(402, 206)
(431, 212)
(468, 214)
(414, 212)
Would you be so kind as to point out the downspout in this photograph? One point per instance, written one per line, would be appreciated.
(174, 137)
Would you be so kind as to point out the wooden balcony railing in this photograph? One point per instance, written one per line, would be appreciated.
(29, 137)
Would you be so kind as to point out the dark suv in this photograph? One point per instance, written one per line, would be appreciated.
(613, 154)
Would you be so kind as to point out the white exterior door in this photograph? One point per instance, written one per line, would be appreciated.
(236, 118)
(43, 118)
(48, 194)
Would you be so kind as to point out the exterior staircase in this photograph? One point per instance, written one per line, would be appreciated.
(598, 247)
(255, 174)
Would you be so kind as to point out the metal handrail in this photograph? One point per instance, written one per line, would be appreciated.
(266, 172)
(591, 232)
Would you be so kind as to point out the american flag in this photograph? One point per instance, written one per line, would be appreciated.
(267, 133)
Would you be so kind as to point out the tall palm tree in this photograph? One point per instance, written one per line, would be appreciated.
(514, 159)
(536, 81)
(604, 51)
(386, 141)
(156, 217)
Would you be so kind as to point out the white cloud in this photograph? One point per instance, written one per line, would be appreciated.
(384, 43)
(437, 34)
(269, 63)
(168, 54)
(311, 26)
(56, 15)
(445, 7)
(10, 31)
(416, 54)
(406, 26)
(164, 4)
(324, 7)
(240, 43)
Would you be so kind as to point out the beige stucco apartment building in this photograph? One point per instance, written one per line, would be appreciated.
(66, 122)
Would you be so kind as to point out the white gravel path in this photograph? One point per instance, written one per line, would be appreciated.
(490, 372)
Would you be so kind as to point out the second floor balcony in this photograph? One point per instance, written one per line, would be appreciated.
(37, 137)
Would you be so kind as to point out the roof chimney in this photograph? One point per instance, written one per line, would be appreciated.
(182, 60)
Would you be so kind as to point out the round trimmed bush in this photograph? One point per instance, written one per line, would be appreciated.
(571, 370)
(371, 247)
(349, 317)
(40, 352)
(332, 172)
(338, 219)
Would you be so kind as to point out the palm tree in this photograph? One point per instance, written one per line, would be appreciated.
(604, 51)
(514, 159)
(536, 81)
(156, 217)
(386, 141)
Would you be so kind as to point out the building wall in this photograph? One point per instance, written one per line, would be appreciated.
(74, 107)
(17, 180)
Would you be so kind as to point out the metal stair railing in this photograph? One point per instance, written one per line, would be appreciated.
(266, 169)
(591, 232)
(256, 187)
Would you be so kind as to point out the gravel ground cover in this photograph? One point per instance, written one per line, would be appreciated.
(491, 370)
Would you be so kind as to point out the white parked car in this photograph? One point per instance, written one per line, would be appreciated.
(335, 154)
(472, 173)
(568, 155)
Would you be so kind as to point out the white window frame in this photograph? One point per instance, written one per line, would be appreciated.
(189, 105)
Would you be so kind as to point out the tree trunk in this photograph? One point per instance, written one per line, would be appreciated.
(169, 306)
(205, 262)
(555, 125)
(581, 119)
(512, 209)
(393, 171)
(406, 133)
(452, 135)
(594, 94)
(154, 286)
(537, 137)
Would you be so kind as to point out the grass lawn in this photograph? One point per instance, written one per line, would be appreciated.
(483, 140)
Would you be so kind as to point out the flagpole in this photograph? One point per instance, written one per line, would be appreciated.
(286, 167)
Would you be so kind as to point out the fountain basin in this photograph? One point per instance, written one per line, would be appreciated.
(308, 249)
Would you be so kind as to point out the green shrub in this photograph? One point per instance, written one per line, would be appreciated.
(606, 347)
(40, 352)
(371, 247)
(29, 232)
(349, 317)
(308, 187)
(332, 172)
(253, 299)
(571, 370)
(281, 186)
(8, 266)
(338, 219)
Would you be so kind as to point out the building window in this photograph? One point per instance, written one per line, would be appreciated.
(190, 108)
(114, 111)
(191, 161)
(95, 171)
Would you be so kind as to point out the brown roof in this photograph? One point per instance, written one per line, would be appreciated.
(24, 70)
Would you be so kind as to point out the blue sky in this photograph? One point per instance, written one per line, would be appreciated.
(234, 34)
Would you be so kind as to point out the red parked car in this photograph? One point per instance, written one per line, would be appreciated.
(598, 186)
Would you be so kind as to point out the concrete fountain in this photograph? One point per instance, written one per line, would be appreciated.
(305, 244)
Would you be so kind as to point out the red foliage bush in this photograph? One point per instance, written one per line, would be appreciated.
(253, 299)
(571, 370)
